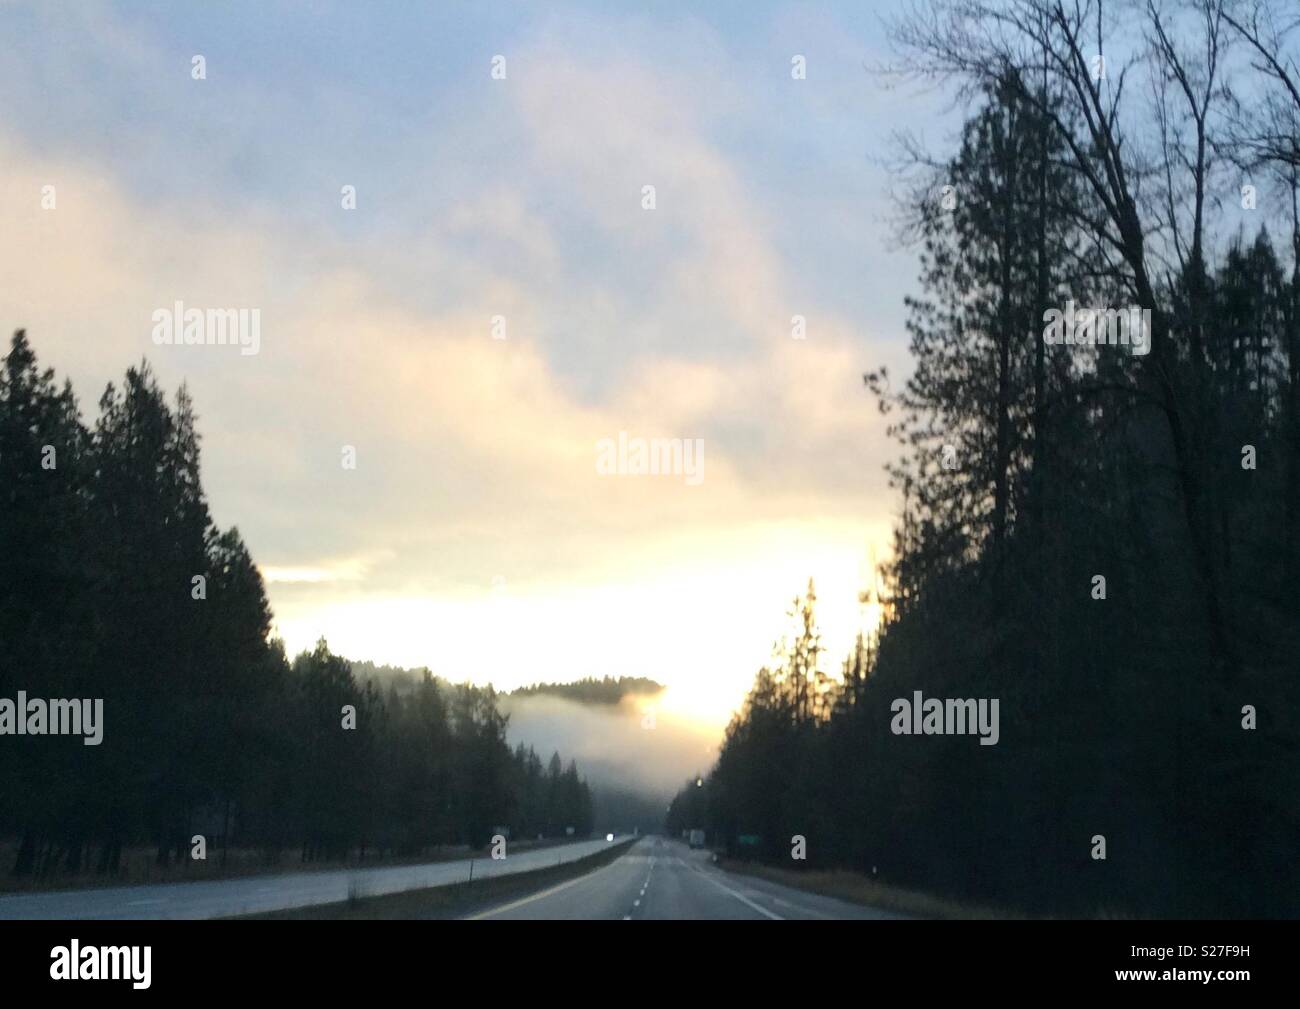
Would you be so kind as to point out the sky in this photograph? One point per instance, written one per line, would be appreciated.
(477, 534)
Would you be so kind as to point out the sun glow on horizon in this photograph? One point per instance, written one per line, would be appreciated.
(703, 627)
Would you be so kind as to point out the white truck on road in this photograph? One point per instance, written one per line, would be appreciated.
(697, 838)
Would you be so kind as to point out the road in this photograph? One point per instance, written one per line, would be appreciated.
(658, 878)
(254, 894)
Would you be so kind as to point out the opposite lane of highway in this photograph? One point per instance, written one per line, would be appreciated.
(256, 894)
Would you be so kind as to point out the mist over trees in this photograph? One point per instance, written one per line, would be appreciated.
(1108, 542)
(588, 722)
(116, 584)
(589, 690)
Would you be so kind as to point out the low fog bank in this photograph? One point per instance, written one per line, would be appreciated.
(634, 754)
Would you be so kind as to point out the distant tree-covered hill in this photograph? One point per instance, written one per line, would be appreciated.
(606, 690)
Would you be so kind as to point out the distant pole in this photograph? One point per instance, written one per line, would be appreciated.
(471, 870)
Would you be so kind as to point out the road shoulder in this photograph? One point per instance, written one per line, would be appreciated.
(862, 890)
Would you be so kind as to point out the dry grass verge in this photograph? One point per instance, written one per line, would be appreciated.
(859, 889)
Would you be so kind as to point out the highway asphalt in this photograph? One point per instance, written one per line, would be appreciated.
(663, 879)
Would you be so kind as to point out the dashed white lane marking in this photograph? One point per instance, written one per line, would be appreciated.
(141, 903)
(636, 903)
(627, 917)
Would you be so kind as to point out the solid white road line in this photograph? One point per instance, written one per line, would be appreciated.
(538, 896)
(805, 909)
(740, 896)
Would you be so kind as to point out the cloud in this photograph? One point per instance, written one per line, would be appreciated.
(475, 456)
(347, 569)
